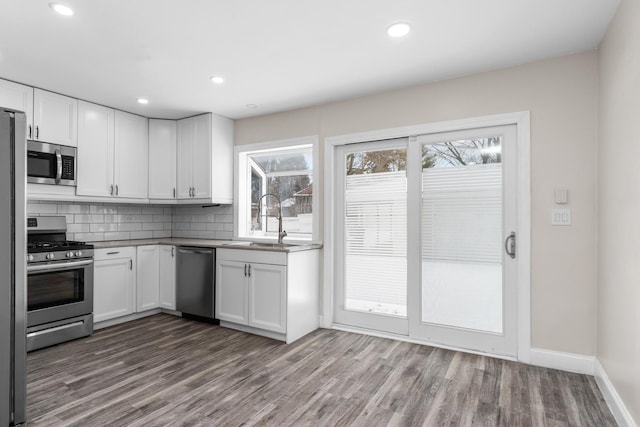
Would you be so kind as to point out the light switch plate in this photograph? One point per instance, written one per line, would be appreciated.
(561, 216)
(561, 195)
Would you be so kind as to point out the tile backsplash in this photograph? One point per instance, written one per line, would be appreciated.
(91, 222)
(210, 222)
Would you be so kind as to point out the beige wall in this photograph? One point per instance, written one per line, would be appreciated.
(619, 205)
(561, 95)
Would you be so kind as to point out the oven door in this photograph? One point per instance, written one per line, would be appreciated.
(57, 291)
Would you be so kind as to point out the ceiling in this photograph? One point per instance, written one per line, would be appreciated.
(277, 54)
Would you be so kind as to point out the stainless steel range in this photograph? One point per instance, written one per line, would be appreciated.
(59, 284)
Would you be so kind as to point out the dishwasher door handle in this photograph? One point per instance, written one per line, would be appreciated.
(195, 251)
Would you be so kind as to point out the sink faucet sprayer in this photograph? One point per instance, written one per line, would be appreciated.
(281, 232)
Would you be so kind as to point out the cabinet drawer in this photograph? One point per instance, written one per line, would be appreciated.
(112, 253)
(251, 256)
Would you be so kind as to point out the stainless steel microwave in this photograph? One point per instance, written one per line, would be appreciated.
(51, 163)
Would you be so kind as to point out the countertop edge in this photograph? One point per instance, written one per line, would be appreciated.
(203, 243)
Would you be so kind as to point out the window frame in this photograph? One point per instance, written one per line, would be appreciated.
(242, 182)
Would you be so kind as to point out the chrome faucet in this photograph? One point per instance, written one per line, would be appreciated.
(281, 232)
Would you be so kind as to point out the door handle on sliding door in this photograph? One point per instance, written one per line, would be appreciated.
(510, 245)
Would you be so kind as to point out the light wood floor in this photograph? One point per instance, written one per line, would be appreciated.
(167, 371)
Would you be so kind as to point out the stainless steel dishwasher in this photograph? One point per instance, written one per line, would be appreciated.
(195, 283)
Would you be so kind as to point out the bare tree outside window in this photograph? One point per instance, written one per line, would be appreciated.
(288, 175)
(462, 153)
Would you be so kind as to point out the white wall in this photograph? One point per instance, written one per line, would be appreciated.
(562, 97)
(619, 205)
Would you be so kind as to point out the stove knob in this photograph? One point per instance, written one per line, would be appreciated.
(50, 256)
(29, 258)
(78, 253)
(69, 254)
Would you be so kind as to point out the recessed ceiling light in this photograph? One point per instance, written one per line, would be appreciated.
(217, 79)
(61, 9)
(251, 106)
(399, 29)
(143, 101)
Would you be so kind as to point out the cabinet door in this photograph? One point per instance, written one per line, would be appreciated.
(268, 297)
(95, 150)
(168, 277)
(222, 158)
(201, 157)
(55, 118)
(131, 155)
(113, 288)
(18, 97)
(231, 292)
(186, 135)
(162, 159)
(147, 278)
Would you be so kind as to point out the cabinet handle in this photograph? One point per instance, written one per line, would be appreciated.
(29, 131)
(194, 192)
(111, 192)
(245, 270)
(172, 251)
(113, 253)
(174, 192)
(37, 132)
(249, 270)
(116, 189)
(130, 264)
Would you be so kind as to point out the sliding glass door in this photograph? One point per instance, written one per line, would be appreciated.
(372, 236)
(426, 225)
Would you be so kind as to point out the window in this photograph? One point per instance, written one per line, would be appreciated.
(274, 179)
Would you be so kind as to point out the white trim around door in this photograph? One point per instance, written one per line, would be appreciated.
(522, 122)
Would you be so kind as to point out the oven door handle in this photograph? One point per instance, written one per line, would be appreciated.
(58, 166)
(60, 266)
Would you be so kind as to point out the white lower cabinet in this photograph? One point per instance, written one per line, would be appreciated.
(231, 290)
(148, 277)
(167, 271)
(133, 279)
(114, 278)
(268, 296)
(269, 293)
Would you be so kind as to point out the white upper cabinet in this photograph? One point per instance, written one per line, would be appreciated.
(112, 153)
(194, 158)
(201, 157)
(18, 97)
(131, 156)
(205, 158)
(55, 118)
(95, 150)
(162, 159)
(222, 159)
(122, 155)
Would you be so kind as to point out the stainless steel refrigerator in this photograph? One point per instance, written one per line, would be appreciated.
(13, 278)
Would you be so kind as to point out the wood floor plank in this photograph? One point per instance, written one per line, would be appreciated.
(167, 371)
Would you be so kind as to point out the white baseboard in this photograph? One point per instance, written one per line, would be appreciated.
(570, 362)
(617, 406)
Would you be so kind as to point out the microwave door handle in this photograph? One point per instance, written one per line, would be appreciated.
(58, 166)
